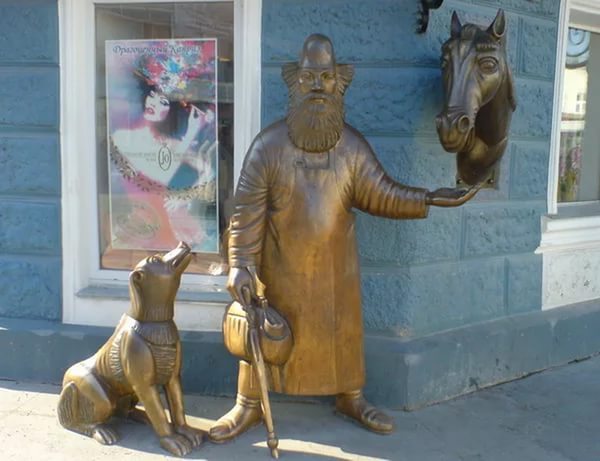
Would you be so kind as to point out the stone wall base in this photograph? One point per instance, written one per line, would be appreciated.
(401, 373)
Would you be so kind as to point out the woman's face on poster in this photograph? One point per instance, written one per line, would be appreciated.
(156, 107)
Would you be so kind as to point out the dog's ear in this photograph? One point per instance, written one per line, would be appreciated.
(135, 291)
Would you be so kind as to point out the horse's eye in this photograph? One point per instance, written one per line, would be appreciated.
(444, 61)
(488, 65)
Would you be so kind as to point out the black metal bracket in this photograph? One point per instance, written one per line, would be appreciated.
(423, 13)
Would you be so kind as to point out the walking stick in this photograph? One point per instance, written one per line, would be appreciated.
(255, 315)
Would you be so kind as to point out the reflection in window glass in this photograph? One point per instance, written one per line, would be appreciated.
(164, 124)
(579, 171)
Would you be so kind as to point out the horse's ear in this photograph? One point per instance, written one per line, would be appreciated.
(455, 26)
(498, 26)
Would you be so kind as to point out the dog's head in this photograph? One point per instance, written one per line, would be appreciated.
(153, 284)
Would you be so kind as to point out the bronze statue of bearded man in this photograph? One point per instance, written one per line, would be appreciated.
(293, 225)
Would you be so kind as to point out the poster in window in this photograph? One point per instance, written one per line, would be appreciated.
(162, 143)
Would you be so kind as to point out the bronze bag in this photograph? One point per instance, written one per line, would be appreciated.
(275, 334)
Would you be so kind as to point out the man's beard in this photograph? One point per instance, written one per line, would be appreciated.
(315, 127)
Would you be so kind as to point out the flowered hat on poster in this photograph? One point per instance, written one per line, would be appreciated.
(183, 71)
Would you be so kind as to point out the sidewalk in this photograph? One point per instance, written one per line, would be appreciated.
(551, 416)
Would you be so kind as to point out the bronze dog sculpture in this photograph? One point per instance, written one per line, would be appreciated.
(143, 353)
(479, 97)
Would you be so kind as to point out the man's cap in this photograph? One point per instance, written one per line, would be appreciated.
(317, 53)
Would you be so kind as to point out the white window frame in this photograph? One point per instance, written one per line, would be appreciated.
(584, 14)
(80, 236)
(573, 225)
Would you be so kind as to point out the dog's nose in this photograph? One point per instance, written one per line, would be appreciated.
(182, 244)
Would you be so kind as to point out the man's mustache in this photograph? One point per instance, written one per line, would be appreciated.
(316, 95)
(301, 99)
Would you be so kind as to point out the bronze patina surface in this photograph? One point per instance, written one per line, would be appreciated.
(143, 354)
(479, 97)
(294, 226)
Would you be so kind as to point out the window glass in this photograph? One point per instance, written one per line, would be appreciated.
(579, 170)
(164, 130)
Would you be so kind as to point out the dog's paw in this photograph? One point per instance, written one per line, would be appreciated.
(176, 444)
(104, 434)
(196, 436)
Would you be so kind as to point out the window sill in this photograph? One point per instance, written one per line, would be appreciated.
(195, 310)
(208, 295)
(574, 227)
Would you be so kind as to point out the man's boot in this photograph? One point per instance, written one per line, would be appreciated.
(245, 414)
(353, 405)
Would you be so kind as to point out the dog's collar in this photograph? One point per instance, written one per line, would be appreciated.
(160, 333)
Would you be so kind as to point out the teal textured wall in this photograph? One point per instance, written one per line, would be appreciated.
(459, 266)
(30, 248)
(456, 267)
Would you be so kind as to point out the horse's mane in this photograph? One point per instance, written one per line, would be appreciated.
(482, 39)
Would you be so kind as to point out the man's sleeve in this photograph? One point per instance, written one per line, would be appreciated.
(376, 193)
(247, 225)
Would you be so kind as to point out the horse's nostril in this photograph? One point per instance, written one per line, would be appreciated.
(463, 124)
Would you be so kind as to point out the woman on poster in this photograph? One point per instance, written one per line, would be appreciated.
(165, 171)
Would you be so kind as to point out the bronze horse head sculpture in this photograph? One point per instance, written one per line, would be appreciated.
(479, 97)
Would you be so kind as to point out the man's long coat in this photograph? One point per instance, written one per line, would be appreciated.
(293, 220)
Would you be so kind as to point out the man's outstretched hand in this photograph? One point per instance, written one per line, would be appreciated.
(448, 197)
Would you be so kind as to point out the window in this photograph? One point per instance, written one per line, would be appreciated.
(164, 130)
(153, 96)
(579, 148)
(570, 242)
(574, 176)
